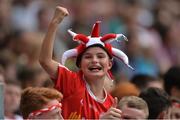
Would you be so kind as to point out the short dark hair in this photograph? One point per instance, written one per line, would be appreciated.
(79, 57)
(142, 80)
(157, 99)
(172, 78)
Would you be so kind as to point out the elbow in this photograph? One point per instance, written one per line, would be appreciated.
(43, 62)
(43, 59)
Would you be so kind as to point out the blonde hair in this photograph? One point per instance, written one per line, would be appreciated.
(134, 102)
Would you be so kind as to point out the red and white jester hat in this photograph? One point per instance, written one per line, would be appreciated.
(87, 41)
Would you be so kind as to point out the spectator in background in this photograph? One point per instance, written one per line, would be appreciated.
(172, 87)
(172, 82)
(158, 103)
(124, 89)
(41, 103)
(133, 108)
(143, 81)
(26, 9)
(29, 47)
(31, 76)
(7, 61)
(12, 100)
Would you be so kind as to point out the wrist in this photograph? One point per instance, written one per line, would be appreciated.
(54, 24)
(56, 20)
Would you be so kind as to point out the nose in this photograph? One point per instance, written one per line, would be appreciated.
(94, 59)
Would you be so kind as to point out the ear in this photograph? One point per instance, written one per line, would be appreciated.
(110, 64)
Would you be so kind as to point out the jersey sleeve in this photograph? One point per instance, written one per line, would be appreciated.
(67, 81)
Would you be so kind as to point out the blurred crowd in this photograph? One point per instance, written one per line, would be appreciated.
(151, 26)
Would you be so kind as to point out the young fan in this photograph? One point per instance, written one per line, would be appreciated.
(83, 91)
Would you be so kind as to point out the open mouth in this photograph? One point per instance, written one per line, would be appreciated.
(95, 68)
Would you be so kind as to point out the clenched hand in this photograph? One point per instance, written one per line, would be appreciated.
(59, 14)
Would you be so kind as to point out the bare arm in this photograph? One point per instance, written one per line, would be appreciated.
(45, 57)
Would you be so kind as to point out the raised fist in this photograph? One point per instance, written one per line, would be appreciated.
(59, 14)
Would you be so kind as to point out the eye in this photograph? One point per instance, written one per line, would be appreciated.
(87, 56)
(101, 56)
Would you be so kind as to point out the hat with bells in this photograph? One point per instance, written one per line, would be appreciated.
(93, 40)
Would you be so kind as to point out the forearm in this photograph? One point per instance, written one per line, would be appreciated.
(48, 43)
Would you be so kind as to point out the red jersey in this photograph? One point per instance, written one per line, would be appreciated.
(78, 100)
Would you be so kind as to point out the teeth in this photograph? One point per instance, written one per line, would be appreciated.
(95, 69)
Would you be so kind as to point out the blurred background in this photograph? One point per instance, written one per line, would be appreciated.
(151, 26)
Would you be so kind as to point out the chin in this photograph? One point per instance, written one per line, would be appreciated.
(97, 74)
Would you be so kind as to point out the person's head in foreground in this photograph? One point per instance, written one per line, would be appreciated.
(158, 102)
(41, 103)
(133, 108)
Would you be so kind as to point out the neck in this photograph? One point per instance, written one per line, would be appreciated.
(97, 86)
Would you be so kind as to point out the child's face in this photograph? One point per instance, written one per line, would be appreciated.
(95, 62)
